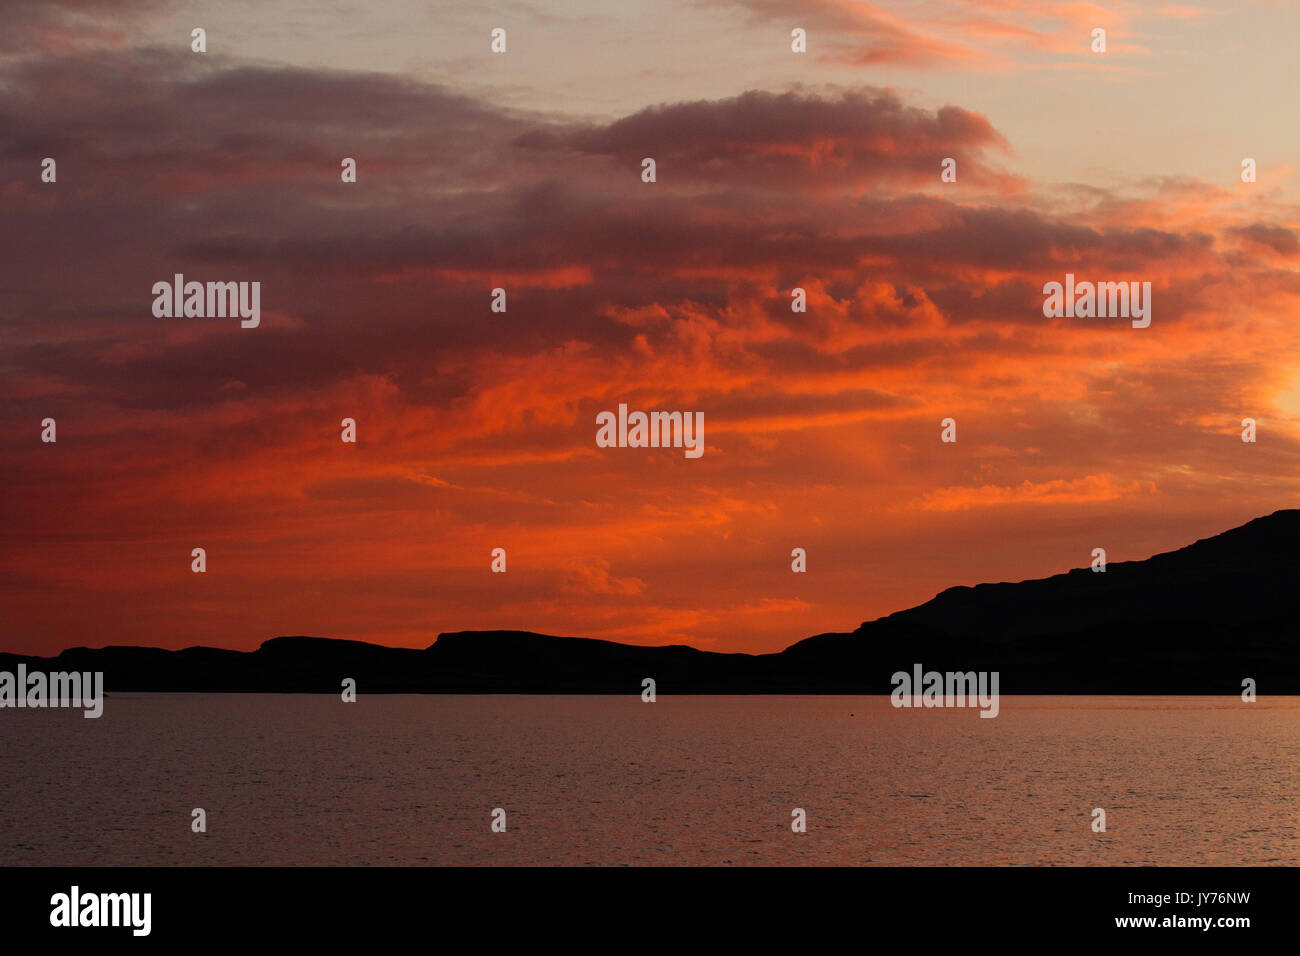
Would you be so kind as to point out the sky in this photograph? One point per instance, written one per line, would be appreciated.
(476, 429)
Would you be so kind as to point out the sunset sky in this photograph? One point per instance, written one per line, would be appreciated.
(476, 429)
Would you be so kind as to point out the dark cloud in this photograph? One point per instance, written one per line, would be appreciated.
(863, 136)
(172, 164)
(1278, 238)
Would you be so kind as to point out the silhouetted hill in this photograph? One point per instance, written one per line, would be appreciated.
(1193, 621)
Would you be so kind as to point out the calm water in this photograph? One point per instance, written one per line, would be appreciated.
(413, 780)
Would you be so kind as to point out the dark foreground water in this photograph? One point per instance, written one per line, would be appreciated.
(291, 779)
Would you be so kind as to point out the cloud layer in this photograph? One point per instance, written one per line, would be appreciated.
(476, 428)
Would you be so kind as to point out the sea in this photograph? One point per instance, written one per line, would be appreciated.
(501, 780)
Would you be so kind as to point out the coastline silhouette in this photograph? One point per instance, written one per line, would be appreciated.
(1197, 620)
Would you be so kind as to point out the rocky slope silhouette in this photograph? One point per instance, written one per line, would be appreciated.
(1198, 620)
